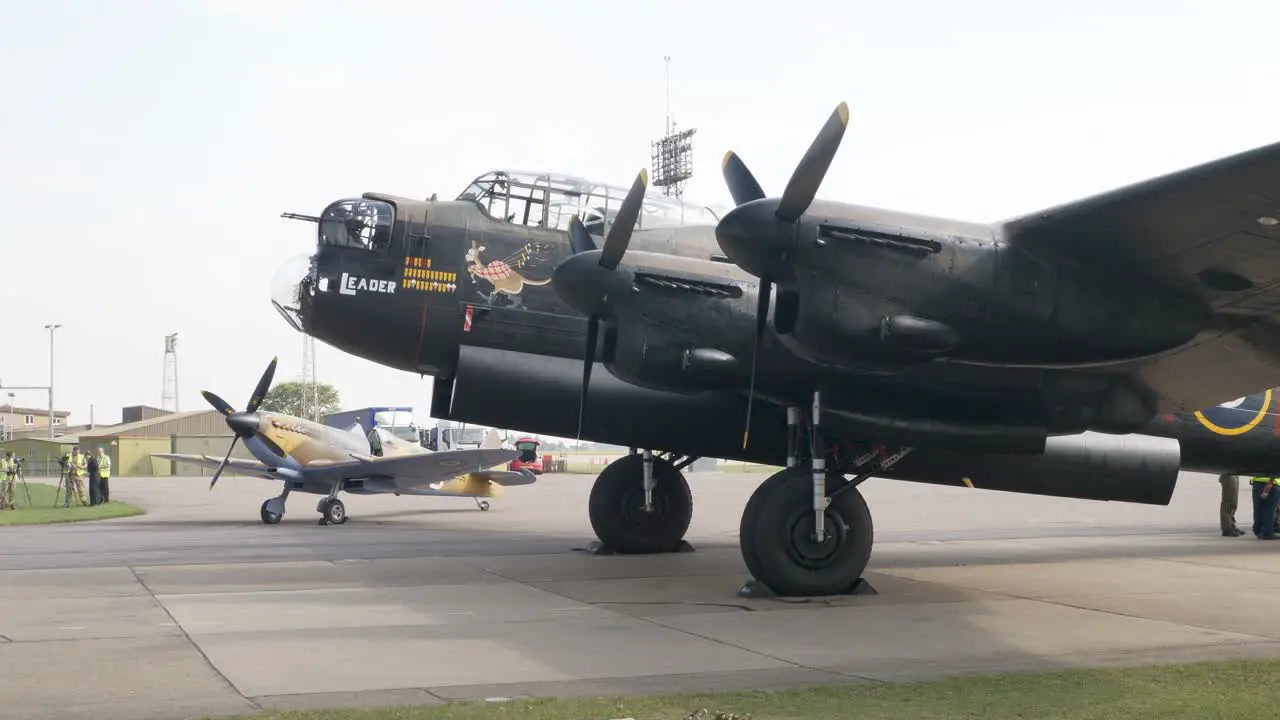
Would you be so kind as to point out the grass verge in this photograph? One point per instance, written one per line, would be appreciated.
(39, 509)
(1171, 692)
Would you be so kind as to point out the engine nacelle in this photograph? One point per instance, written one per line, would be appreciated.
(1090, 466)
(651, 356)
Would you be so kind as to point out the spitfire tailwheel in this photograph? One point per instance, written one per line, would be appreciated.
(618, 510)
(779, 544)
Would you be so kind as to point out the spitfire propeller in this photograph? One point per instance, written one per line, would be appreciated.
(759, 234)
(590, 287)
(243, 424)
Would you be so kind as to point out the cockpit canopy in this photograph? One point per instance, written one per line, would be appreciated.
(548, 200)
(357, 223)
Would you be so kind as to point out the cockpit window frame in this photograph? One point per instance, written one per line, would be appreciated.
(596, 203)
(379, 220)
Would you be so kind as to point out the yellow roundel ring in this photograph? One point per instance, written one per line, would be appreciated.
(1257, 418)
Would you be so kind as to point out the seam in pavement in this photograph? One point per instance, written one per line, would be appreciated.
(802, 666)
(1117, 613)
(654, 621)
(193, 643)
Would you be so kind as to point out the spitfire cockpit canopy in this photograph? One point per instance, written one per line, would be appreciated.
(549, 200)
(357, 223)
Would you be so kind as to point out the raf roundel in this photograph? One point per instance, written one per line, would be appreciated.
(1236, 417)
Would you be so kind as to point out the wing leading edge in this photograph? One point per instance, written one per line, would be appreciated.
(1213, 229)
(238, 466)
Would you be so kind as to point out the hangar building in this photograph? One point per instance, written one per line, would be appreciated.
(149, 430)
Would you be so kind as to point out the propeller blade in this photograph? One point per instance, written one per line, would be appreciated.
(805, 181)
(579, 239)
(615, 243)
(218, 403)
(593, 331)
(742, 184)
(762, 315)
(222, 465)
(264, 384)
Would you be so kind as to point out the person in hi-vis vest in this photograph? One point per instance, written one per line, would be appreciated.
(1265, 499)
(104, 475)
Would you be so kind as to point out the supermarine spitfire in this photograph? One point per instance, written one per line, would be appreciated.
(1091, 350)
(317, 459)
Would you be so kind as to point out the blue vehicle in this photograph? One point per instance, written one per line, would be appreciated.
(397, 420)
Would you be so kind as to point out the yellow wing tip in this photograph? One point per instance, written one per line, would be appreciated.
(843, 110)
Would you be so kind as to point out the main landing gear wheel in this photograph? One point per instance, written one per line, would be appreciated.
(332, 512)
(778, 540)
(268, 517)
(482, 504)
(617, 507)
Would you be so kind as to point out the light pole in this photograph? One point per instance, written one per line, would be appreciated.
(51, 327)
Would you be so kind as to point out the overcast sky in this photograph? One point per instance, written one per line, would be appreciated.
(147, 148)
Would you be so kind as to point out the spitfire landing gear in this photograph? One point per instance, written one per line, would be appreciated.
(808, 531)
(641, 504)
(331, 509)
(273, 508)
(482, 504)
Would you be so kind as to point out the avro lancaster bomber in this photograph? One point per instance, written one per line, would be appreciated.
(1090, 350)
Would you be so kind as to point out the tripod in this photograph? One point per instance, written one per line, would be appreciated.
(64, 486)
(7, 490)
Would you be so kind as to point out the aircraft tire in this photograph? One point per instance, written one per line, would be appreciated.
(616, 507)
(268, 517)
(334, 512)
(776, 537)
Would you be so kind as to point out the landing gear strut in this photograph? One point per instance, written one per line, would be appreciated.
(331, 509)
(641, 504)
(808, 531)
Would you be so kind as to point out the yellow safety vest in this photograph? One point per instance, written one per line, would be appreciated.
(104, 465)
(1261, 479)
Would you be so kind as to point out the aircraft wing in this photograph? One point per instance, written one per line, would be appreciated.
(483, 483)
(252, 468)
(1207, 228)
(416, 468)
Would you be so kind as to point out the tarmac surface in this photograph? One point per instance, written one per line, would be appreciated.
(197, 609)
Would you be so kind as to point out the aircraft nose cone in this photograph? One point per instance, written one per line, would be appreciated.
(587, 287)
(244, 424)
(755, 240)
(288, 287)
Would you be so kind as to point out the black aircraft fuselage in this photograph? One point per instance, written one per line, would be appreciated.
(1092, 350)
(451, 290)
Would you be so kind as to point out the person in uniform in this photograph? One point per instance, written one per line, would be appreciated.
(91, 465)
(1265, 499)
(1230, 501)
(75, 476)
(104, 476)
(9, 464)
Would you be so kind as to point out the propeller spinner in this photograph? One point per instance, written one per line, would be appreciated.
(244, 424)
(758, 235)
(589, 286)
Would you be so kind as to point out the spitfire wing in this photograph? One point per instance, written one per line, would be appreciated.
(415, 469)
(1212, 228)
(252, 468)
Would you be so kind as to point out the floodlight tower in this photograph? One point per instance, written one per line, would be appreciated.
(169, 391)
(672, 155)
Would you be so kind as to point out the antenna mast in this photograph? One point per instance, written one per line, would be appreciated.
(673, 154)
(169, 388)
(310, 391)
